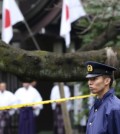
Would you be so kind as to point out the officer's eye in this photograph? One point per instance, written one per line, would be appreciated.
(94, 78)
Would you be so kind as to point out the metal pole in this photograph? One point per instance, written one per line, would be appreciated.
(31, 35)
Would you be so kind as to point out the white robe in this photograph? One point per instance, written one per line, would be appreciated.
(55, 94)
(29, 95)
(7, 98)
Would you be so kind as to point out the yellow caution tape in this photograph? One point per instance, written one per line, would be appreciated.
(45, 102)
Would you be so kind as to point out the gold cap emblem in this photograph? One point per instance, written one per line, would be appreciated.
(89, 68)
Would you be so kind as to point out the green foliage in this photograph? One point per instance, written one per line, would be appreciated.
(117, 87)
(104, 9)
(100, 14)
(109, 44)
(118, 41)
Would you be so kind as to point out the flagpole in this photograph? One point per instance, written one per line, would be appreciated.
(31, 34)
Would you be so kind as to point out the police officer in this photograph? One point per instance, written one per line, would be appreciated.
(104, 116)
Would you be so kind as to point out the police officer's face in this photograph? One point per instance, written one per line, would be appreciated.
(98, 85)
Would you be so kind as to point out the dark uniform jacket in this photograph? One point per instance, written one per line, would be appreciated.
(104, 116)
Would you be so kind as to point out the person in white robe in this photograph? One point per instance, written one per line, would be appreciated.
(56, 107)
(7, 98)
(28, 94)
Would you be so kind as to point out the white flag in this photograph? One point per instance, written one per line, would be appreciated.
(76, 10)
(71, 11)
(10, 16)
(65, 27)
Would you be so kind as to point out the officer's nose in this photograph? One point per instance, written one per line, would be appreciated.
(90, 82)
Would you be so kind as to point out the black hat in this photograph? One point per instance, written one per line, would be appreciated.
(96, 69)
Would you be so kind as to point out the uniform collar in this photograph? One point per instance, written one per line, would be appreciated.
(111, 91)
(98, 102)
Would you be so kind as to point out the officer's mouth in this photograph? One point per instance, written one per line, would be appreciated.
(91, 88)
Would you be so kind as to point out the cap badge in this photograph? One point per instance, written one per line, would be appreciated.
(89, 68)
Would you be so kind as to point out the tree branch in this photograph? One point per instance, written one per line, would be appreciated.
(109, 34)
(42, 65)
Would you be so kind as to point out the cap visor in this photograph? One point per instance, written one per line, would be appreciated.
(92, 75)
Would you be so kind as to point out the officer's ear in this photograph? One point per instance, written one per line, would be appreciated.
(107, 80)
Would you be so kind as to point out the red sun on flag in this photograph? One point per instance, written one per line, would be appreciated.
(7, 18)
(67, 12)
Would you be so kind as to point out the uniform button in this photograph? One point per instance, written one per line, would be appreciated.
(90, 123)
(95, 110)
